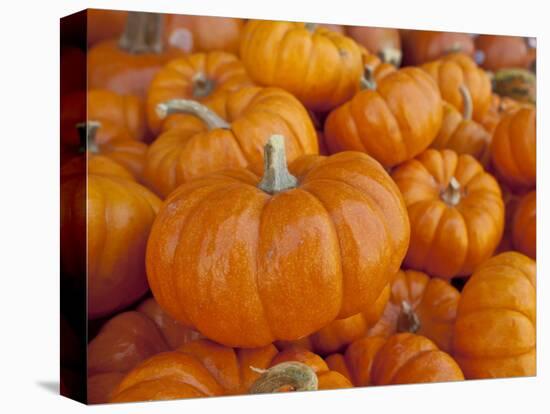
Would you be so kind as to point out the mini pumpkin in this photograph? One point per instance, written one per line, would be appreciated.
(524, 225)
(386, 119)
(422, 305)
(421, 46)
(404, 358)
(514, 148)
(462, 135)
(383, 42)
(455, 209)
(501, 52)
(207, 78)
(203, 368)
(287, 254)
(456, 70)
(499, 106)
(127, 65)
(320, 67)
(495, 329)
(191, 148)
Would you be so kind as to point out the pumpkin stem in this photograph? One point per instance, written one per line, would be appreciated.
(367, 80)
(87, 132)
(293, 374)
(452, 194)
(408, 320)
(202, 86)
(310, 27)
(516, 83)
(467, 103)
(276, 176)
(390, 55)
(188, 106)
(143, 33)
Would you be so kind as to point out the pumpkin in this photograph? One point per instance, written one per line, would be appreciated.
(207, 78)
(374, 68)
(495, 328)
(104, 24)
(421, 46)
(518, 84)
(116, 213)
(524, 225)
(289, 253)
(320, 67)
(456, 212)
(190, 148)
(500, 52)
(457, 70)
(514, 148)
(386, 119)
(127, 65)
(459, 133)
(204, 368)
(384, 42)
(499, 106)
(403, 358)
(422, 305)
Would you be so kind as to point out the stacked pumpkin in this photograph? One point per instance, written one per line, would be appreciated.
(274, 268)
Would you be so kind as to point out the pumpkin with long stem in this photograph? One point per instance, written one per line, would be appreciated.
(524, 225)
(289, 252)
(456, 212)
(386, 119)
(192, 148)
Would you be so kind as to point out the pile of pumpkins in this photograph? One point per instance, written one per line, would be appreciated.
(275, 206)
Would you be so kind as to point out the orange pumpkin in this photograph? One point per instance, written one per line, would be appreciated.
(127, 66)
(499, 106)
(384, 42)
(462, 135)
(289, 253)
(500, 52)
(455, 209)
(422, 305)
(514, 148)
(105, 24)
(524, 225)
(421, 46)
(495, 330)
(404, 358)
(374, 68)
(386, 120)
(190, 148)
(204, 77)
(457, 70)
(320, 67)
(203, 368)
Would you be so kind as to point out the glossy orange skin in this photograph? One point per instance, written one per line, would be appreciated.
(175, 81)
(285, 265)
(421, 46)
(499, 106)
(524, 225)
(188, 150)
(380, 69)
(456, 69)
(321, 68)
(393, 123)
(105, 24)
(514, 148)
(128, 153)
(446, 240)
(495, 330)
(501, 52)
(375, 39)
(463, 136)
(203, 369)
(403, 358)
(433, 300)
(114, 69)
(116, 244)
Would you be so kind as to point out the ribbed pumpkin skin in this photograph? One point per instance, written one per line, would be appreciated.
(177, 80)
(514, 148)
(128, 153)
(446, 240)
(495, 330)
(187, 150)
(433, 300)
(285, 265)
(499, 106)
(393, 123)
(321, 68)
(203, 368)
(454, 70)
(524, 225)
(421, 46)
